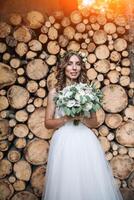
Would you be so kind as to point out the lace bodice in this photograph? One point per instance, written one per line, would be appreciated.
(58, 113)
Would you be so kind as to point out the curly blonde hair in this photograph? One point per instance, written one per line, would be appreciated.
(61, 65)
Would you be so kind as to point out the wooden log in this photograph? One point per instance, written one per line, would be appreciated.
(4, 129)
(131, 152)
(43, 38)
(24, 195)
(123, 150)
(73, 45)
(36, 69)
(7, 75)
(21, 130)
(103, 130)
(110, 28)
(32, 86)
(122, 166)
(12, 122)
(63, 40)
(51, 80)
(30, 108)
(4, 145)
(21, 80)
(57, 26)
(14, 155)
(3, 47)
(102, 66)
(37, 180)
(11, 41)
(91, 58)
(6, 189)
(113, 120)
(129, 112)
(21, 115)
(69, 31)
(5, 168)
(120, 44)
(20, 71)
(121, 30)
(101, 19)
(126, 62)
(34, 154)
(31, 55)
(102, 52)
(3, 103)
(38, 102)
(105, 143)
(5, 29)
(15, 62)
(114, 93)
(22, 34)
(19, 185)
(53, 47)
(22, 170)
(76, 17)
(95, 26)
(17, 96)
(109, 156)
(51, 60)
(113, 76)
(120, 20)
(20, 143)
(36, 124)
(91, 47)
(65, 21)
(125, 71)
(100, 37)
(124, 81)
(15, 19)
(35, 45)
(80, 27)
(115, 56)
(124, 134)
(100, 117)
(41, 92)
(44, 29)
(52, 33)
(6, 56)
(91, 74)
(1, 155)
(125, 53)
(34, 19)
(58, 14)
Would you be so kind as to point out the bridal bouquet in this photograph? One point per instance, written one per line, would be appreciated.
(79, 99)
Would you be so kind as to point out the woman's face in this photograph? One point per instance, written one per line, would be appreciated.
(73, 69)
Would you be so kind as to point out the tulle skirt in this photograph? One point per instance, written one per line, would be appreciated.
(77, 168)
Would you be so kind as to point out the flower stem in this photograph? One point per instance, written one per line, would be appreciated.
(76, 122)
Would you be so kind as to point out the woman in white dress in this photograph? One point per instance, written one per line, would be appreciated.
(77, 168)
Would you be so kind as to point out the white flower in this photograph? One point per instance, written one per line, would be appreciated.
(70, 103)
(77, 97)
(89, 106)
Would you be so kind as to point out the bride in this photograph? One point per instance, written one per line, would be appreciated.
(77, 168)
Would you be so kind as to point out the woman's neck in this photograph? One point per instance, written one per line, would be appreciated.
(70, 81)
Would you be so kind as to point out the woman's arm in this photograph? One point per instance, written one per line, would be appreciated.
(90, 122)
(50, 122)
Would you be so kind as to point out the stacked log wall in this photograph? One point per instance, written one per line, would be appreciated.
(29, 49)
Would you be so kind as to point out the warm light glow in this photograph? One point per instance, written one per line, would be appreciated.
(87, 2)
(97, 4)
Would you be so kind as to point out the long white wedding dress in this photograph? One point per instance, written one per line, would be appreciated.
(77, 168)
